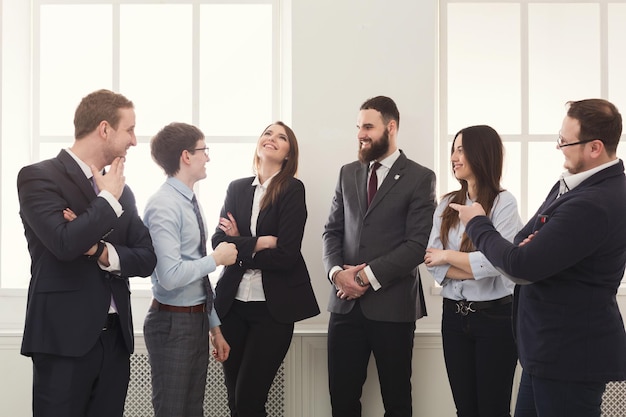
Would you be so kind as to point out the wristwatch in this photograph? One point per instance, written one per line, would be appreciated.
(98, 252)
(359, 280)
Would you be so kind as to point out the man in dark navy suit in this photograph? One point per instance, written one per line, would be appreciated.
(85, 240)
(570, 260)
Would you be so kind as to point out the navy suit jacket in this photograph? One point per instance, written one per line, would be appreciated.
(69, 295)
(286, 281)
(567, 322)
(391, 236)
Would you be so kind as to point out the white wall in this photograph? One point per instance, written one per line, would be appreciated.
(343, 53)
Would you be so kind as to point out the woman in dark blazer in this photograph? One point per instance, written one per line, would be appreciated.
(260, 297)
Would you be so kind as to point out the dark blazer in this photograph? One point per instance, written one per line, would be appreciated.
(567, 322)
(286, 282)
(69, 295)
(391, 236)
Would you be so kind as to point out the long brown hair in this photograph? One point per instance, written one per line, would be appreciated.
(288, 170)
(484, 153)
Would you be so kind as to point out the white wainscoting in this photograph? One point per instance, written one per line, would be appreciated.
(302, 382)
(304, 379)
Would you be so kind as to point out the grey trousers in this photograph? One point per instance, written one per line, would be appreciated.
(178, 351)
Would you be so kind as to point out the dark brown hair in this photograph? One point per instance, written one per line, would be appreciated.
(288, 170)
(599, 119)
(101, 105)
(385, 106)
(167, 146)
(484, 153)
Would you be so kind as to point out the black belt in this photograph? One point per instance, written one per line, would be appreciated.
(200, 308)
(465, 307)
(111, 322)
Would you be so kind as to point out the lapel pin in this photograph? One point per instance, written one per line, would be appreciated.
(396, 177)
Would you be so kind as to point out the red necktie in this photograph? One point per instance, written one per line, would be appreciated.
(372, 186)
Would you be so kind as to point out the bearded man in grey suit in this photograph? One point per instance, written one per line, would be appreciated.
(371, 253)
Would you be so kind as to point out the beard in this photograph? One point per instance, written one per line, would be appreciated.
(376, 149)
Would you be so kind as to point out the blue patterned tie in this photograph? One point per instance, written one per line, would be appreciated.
(207, 284)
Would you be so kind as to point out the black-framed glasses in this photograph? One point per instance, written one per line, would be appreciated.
(205, 150)
(560, 142)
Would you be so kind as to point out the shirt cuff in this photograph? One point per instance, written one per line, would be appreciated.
(114, 260)
(214, 320)
(115, 205)
(332, 272)
(372, 278)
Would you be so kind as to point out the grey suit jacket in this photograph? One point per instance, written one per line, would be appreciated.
(391, 237)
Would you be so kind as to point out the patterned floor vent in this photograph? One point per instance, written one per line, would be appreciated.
(138, 403)
(614, 400)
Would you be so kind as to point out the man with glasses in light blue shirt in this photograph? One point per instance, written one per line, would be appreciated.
(176, 328)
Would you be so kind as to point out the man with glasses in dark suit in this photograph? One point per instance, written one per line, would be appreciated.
(569, 261)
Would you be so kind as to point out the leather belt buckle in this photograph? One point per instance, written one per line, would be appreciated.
(464, 307)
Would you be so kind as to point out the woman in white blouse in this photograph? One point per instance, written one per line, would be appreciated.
(479, 349)
(268, 289)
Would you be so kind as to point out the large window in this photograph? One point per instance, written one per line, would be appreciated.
(513, 65)
(219, 65)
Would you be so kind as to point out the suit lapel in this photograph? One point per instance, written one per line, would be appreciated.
(395, 173)
(76, 174)
(247, 208)
(360, 178)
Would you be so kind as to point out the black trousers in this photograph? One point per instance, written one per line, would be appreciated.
(539, 397)
(480, 357)
(93, 385)
(258, 345)
(352, 339)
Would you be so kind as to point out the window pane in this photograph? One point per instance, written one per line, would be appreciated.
(235, 69)
(229, 161)
(71, 65)
(143, 175)
(156, 63)
(545, 167)
(564, 60)
(511, 172)
(484, 70)
(617, 59)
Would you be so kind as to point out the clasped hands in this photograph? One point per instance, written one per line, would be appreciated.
(347, 288)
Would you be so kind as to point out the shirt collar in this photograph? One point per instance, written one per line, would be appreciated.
(570, 181)
(83, 166)
(388, 161)
(266, 184)
(179, 186)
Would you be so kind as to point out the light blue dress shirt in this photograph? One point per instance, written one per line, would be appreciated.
(178, 277)
(488, 283)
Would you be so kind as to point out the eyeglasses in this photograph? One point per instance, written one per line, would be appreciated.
(205, 150)
(560, 142)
